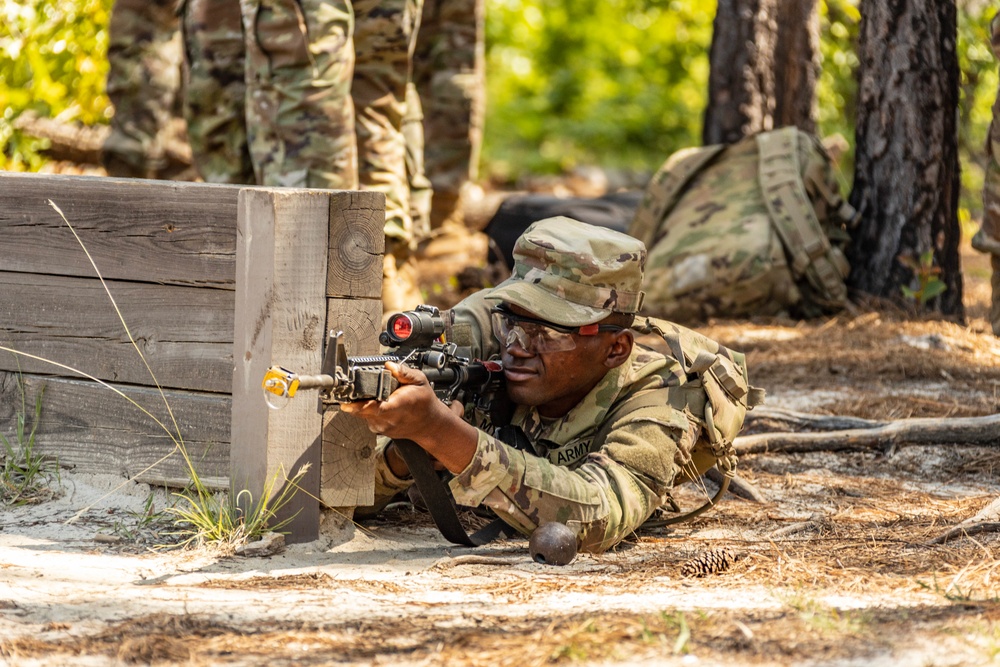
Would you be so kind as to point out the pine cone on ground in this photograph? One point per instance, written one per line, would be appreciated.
(710, 562)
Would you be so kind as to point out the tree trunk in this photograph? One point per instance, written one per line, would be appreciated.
(796, 64)
(906, 180)
(764, 64)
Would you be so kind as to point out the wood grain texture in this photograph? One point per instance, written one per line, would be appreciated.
(151, 231)
(185, 333)
(348, 474)
(91, 429)
(348, 461)
(280, 319)
(359, 319)
(357, 243)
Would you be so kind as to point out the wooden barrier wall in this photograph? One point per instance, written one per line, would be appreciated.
(193, 269)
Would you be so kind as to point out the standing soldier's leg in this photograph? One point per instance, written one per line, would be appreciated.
(384, 37)
(300, 119)
(987, 239)
(215, 90)
(449, 71)
(420, 185)
(144, 53)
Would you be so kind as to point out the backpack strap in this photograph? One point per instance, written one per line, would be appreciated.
(664, 189)
(793, 215)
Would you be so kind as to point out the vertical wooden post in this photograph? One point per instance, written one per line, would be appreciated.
(281, 279)
(354, 306)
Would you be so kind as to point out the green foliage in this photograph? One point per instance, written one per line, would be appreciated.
(25, 475)
(977, 92)
(929, 285)
(53, 61)
(620, 83)
(836, 87)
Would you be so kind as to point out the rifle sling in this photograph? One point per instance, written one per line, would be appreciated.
(439, 501)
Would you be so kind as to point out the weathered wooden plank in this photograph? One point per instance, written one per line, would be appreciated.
(90, 428)
(185, 333)
(280, 319)
(357, 243)
(154, 231)
(348, 478)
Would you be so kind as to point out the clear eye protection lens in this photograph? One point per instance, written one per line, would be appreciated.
(546, 339)
(532, 337)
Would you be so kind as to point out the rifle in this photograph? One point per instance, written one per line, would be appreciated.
(414, 338)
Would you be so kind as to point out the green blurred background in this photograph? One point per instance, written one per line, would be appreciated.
(619, 84)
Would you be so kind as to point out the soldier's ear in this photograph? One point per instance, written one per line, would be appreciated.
(620, 348)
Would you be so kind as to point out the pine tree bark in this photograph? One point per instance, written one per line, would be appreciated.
(796, 64)
(906, 180)
(764, 63)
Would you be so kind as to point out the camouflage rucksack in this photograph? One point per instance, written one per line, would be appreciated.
(753, 228)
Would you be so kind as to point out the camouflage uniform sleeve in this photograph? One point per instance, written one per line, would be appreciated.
(386, 483)
(603, 500)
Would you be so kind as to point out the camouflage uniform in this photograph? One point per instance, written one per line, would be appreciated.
(987, 239)
(144, 53)
(300, 120)
(449, 72)
(384, 37)
(215, 90)
(605, 466)
(420, 186)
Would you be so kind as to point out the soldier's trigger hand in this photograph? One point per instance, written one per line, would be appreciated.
(412, 411)
(411, 376)
(406, 375)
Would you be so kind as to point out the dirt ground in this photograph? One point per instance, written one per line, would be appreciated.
(834, 568)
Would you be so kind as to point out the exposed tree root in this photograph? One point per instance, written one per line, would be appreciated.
(922, 431)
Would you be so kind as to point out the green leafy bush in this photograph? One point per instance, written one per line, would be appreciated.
(619, 83)
(53, 61)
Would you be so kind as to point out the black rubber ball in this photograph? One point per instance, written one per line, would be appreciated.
(552, 544)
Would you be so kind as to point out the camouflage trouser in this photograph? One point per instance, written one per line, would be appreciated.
(215, 91)
(144, 53)
(300, 120)
(420, 186)
(449, 72)
(384, 37)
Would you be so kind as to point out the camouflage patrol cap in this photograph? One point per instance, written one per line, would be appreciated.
(571, 273)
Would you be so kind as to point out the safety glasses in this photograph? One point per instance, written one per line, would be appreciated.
(538, 336)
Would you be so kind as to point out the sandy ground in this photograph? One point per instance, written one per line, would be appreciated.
(835, 568)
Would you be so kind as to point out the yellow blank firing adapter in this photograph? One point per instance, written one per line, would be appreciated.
(280, 382)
